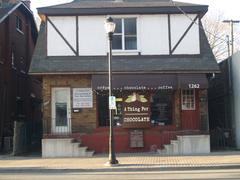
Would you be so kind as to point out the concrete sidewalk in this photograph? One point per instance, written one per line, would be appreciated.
(128, 162)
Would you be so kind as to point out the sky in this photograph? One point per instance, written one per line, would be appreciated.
(229, 8)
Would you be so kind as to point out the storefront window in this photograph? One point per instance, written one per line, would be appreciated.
(161, 108)
(103, 115)
(188, 99)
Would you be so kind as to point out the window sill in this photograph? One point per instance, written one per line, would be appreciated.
(125, 52)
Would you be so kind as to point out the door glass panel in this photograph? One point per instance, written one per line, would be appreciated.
(61, 114)
(61, 107)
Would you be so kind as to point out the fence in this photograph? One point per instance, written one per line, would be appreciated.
(55, 126)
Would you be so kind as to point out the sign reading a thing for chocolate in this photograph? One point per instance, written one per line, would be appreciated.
(136, 111)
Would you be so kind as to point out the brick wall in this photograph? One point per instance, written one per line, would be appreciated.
(203, 108)
(177, 110)
(83, 121)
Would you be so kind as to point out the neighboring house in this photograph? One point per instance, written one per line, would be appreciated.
(19, 93)
(161, 61)
(224, 103)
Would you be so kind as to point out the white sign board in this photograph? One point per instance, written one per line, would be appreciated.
(112, 102)
(82, 98)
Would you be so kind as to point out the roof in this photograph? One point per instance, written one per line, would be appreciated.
(121, 7)
(8, 9)
(4, 12)
(41, 64)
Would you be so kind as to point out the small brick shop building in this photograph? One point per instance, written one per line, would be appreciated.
(160, 85)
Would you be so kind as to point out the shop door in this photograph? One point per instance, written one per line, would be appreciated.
(103, 112)
(190, 110)
(61, 111)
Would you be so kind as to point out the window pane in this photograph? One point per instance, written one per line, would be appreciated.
(188, 100)
(117, 42)
(118, 28)
(130, 43)
(130, 26)
(161, 108)
(61, 114)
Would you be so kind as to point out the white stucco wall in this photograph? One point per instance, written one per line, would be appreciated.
(236, 95)
(92, 36)
(152, 35)
(190, 43)
(55, 44)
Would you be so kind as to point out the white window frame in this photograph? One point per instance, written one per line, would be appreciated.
(18, 26)
(188, 96)
(123, 50)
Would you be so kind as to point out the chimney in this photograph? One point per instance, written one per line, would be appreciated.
(27, 3)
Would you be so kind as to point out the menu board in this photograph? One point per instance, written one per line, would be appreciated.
(136, 111)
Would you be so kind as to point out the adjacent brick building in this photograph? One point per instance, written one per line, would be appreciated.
(20, 95)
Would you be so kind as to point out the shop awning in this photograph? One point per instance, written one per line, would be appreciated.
(192, 81)
(150, 81)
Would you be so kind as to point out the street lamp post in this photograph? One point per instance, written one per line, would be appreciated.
(110, 27)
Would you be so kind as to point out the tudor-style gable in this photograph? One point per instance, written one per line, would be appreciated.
(73, 40)
(172, 34)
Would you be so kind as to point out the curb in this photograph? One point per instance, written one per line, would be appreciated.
(112, 169)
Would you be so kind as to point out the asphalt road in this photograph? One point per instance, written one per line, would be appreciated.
(221, 174)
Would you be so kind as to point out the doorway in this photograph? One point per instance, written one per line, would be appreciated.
(61, 111)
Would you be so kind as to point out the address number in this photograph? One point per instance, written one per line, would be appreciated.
(194, 86)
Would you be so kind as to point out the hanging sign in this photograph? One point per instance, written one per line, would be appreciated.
(82, 98)
(136, 111)
(112, 102)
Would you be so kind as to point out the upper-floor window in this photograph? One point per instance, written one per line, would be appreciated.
(125, 35)
(19, 24)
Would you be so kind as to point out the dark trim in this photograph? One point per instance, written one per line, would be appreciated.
(127, 72)
(200, 35)
(184, 34)
(69, 45)
(77, 36)
(129, 56)
(122, 10)
(46, 38)
(169, 34)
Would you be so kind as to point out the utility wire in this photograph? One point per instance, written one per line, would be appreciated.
(200, 25)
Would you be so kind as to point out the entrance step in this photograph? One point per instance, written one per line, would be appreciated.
(187, 145)
(169, 149)
(66, 147)
(175, 144)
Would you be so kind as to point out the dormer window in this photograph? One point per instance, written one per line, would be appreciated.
(19, 24)
(125, 35)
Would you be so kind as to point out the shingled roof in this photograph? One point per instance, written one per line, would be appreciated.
(41, 64)
(122, 6)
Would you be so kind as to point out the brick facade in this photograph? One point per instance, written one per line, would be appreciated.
(83, 121)
(203, 105)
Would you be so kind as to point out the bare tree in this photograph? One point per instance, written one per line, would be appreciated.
(217, 32)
